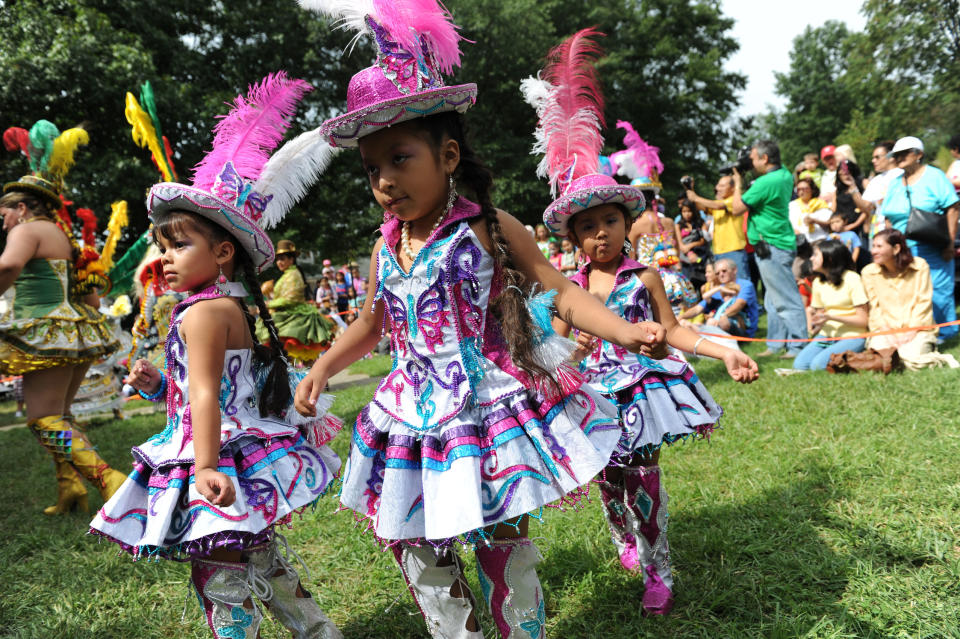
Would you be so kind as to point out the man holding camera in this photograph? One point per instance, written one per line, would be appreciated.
(775, 246)
(729, 238)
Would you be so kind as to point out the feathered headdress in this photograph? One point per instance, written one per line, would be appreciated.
(417, 42)
(147, 133)
(639, 159)
(50, 154)
(224, 182)
(569, 106)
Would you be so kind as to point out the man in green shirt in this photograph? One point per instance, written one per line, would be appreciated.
(775, 246)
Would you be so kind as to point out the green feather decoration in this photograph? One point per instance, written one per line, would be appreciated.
(150, 106)
(42, 135)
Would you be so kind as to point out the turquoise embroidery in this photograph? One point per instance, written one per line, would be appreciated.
(534, 626)
(425, 406)
(412, 316)
(236, 630)
(644, 504)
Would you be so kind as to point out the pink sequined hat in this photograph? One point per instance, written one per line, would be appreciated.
(569, 107)
(416, 41)
(238, 185)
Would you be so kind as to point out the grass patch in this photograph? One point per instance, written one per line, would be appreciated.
(376, 366)
(826, 506)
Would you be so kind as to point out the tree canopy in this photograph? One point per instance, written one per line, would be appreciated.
(72, 61)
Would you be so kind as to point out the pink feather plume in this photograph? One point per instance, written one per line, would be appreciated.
(252, 130)
(407, 20)
(645, 156)
(17, 139)
(572, 115)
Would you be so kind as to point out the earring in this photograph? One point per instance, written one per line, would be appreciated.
(222, 284)
(451, 194)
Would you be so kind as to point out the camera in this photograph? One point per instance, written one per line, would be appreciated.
(686, 182)
(742, 165)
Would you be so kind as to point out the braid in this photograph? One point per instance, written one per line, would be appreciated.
(275, 396)
(510, 306)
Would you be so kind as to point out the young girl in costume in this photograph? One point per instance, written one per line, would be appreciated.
(51, 332)
(235, 459)
(659, 401)
(467, 433)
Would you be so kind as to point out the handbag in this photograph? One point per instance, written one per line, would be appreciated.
(926, 226)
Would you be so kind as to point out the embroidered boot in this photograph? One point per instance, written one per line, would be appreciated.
(70, 491)
(615, 513)
(508, 577)
(67, 443)
(434, 588)
(647, 503)
(224, 592)
(290, 602)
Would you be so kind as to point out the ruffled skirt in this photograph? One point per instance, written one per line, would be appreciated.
(47, 342)
(667, 404)
(159, 512)
(306, 333)
(489, 464)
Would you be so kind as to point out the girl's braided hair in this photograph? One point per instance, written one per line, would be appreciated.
(275, 395)
(509, 307)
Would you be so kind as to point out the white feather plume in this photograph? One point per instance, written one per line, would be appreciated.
(290, 173)
(346, 15)
(535, 91)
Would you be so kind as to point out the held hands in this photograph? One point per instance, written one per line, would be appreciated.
(215, 487)
(309, 388)
(143, 376)
(740, 367)
(586, 344)
(647, 338)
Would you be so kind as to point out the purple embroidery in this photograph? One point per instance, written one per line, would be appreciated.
(260, 495)
(233, 367)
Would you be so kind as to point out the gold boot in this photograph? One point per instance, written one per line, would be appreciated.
(68, 443)
(70, 491)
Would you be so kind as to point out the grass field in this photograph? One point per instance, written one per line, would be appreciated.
(826, 506)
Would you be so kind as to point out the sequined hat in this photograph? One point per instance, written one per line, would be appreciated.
(587, 192)
(416, 42)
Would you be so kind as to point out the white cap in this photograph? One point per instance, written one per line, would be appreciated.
(908, 143)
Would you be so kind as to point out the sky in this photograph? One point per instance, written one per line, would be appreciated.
(766, 29)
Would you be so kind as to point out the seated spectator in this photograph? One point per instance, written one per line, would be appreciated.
(809, 215)
(734, 311)
(900, 292)
(838, 306)
(849, 239)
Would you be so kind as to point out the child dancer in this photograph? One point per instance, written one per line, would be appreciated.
(234, 460)
(467, 433)
(661, 401)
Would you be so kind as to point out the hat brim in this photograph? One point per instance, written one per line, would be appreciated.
(559, 213)
(166, 197)
(347, 129)
(48, 196)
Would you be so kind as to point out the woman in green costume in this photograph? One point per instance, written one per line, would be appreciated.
(50, 337)
(305, 332)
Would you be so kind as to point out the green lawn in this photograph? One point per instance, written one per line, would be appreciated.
(826, 506)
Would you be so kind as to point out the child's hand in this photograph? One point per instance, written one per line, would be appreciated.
(215, 487)
(144, 376)
(586, 344)
(740, 367)
(647, 338)
(309, 388)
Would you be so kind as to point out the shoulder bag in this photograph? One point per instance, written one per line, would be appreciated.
(926, 226)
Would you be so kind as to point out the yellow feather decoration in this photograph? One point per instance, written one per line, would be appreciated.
(145, 135)
(64, 148)
(118, 221)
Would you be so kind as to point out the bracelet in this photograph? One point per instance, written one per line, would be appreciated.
(702, 337)
(160, 391)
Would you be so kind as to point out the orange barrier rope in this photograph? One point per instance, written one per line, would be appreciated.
(889, 331)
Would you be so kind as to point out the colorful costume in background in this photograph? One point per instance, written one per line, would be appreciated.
(456, 437)
(303, 329)
(279, 464)
(658, 250)
(46, 325)
(659, 401)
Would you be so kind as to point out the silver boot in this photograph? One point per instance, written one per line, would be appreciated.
(224, 590)
(508, 575)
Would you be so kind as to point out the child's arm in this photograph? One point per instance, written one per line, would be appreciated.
(358, 340)
(740, 367)
(856, 254)
(574, 305)
(206, 339)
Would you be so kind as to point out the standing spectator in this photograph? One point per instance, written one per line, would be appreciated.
(359, 284)
(838, 307)
(568, 257)
(873, 196)
(692, 243)
(926, 188)
(953, 173)
(344, 293)
(809, 215)
(848, 185)
(729, 236)
(324, 293)
(828, 185)
(811, 169)
(543, 240)
(900, 293)
(554, 256)
(775, 246)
